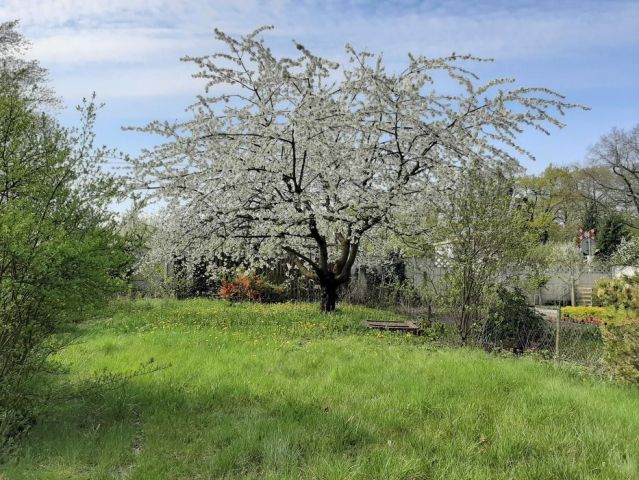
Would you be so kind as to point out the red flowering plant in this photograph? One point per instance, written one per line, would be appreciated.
(239, 289)
(251, 288)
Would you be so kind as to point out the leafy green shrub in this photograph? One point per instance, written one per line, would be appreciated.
(595, 315)
(620, 332)
(271, 293)
(512, 324)
(621, 347)
(620, 292)
(60, 254)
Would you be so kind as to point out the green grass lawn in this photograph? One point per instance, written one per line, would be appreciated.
(280, 391)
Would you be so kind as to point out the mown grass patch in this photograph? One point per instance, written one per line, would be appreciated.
(281, 391)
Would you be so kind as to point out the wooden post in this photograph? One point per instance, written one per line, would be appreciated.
(557, 331)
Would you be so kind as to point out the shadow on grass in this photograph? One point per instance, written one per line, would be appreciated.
(162, 431)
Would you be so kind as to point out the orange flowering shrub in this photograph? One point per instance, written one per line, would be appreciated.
(251, 288)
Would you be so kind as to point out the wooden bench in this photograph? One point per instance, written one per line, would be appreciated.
(406, 326)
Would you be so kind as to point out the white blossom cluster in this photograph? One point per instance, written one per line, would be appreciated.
(627, 253)
(306, 158)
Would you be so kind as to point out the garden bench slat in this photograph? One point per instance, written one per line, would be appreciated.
(406, 326)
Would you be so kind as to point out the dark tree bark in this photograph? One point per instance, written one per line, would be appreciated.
(329, 297)
(330, 275)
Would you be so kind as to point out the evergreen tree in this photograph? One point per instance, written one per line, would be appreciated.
(611, 233)
(591, 216)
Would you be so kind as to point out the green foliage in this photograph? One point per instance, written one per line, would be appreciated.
(562, 199)
(538, 280)
(621, 347)
(271, 293)
(610, 235)
(621, 330)
(553, 202)
(483, 235)
(590, 219)
(537, 276)
(622, 292)
(584, 313)
(511, 324)
(60, 256)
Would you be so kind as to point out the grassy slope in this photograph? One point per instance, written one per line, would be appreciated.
(282, 392)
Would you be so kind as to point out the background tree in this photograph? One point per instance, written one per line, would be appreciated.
(627, 253)
(25, 78)
(566, 261)
(613, 230)
(308, 157)
(562, 199)
(485, 237)
(617, 153)
(590, 218)
(551, 199)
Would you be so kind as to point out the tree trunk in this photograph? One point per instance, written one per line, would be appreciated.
(329, 297)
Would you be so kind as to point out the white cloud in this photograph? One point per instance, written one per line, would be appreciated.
(59, 12)
(128, 50)
(121, 44)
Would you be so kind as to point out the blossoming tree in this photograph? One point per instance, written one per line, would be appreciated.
(308, 158)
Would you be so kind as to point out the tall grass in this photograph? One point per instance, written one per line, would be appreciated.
(280, 391)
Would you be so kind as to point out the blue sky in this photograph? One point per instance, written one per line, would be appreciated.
(128, 51)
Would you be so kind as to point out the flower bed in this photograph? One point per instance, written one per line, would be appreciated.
(587, 315)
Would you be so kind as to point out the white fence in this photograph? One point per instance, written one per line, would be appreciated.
(559, 289)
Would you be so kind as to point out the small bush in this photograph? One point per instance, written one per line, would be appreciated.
(621, 347)
(268, 292)
(593, 315)
(621, 331)
(617, 292)
(512, 324)
(238, 289)
(253, 289)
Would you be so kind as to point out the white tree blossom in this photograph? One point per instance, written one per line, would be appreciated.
(305, 157)
(567, 262)
(627, 253)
